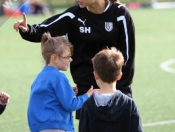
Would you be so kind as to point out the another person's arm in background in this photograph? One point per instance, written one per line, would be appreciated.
(4, 100)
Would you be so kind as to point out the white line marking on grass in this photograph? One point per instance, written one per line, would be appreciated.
(158, 123)
(166, 66)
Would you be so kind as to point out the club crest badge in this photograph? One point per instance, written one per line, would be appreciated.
(108, 26)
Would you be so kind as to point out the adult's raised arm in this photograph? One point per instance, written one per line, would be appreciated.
(57, 25)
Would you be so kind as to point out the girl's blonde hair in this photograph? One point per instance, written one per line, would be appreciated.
(54, 45)
(117, 1)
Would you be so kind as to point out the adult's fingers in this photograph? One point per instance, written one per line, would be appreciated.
(24, 29)
(24, 19)
(16, 25)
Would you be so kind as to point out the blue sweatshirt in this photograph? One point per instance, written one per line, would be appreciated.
(52, 101)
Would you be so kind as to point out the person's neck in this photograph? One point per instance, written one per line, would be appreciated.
(52, 64)
(98, 7)
(107, 88)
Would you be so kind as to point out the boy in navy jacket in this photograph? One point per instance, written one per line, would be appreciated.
(109, 110)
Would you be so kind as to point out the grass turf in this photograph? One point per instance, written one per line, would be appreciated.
(153, 88)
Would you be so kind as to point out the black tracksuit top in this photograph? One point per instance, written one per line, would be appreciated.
(89, 33)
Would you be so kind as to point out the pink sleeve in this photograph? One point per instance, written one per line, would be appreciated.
(4, 103)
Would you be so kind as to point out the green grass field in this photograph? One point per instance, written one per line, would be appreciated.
(153, 88)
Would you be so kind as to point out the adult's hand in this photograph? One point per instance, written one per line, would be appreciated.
(21, 24)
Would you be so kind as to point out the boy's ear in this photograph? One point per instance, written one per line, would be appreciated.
(96, 75)
(119, 76)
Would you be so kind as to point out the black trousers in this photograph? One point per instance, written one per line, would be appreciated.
(83, 89)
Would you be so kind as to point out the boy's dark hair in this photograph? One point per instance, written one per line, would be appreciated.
(54, 45)
(108, 64)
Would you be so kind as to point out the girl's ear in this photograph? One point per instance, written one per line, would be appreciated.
(53, 58)
(119, 76)
(95, 75)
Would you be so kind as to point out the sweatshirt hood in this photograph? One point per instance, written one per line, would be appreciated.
(112, 110)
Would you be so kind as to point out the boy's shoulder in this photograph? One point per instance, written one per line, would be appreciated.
(125, 97)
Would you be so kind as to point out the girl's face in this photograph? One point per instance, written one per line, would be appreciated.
(84, 3)
(63, 61)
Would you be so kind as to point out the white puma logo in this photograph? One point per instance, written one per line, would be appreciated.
(82, 21)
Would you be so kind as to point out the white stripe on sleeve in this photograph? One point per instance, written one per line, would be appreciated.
(60, 17)
(122, 18)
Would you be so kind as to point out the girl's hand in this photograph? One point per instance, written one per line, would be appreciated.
(91, 91)
(75, 90)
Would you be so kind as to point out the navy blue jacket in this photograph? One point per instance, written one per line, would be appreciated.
(119, 115)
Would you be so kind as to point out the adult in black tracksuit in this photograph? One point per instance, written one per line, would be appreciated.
(90, 27)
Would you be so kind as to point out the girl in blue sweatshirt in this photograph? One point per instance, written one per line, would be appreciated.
(52, 99)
